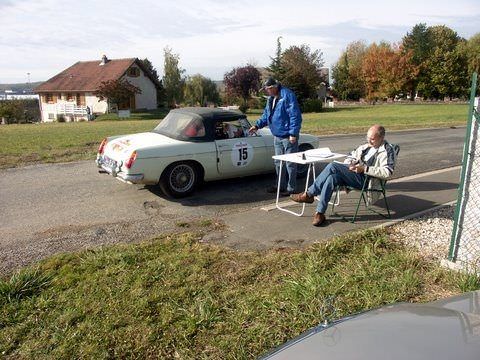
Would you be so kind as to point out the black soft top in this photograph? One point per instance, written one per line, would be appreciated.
(212, 115)
(209, 117)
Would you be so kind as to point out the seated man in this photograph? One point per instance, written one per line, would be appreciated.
(375, 158)
(232, 130)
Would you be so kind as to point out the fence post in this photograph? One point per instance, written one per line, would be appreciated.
(462, 197)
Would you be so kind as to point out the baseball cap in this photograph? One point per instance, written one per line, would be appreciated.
(270, 82)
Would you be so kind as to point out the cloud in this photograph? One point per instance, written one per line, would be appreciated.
(45, 36)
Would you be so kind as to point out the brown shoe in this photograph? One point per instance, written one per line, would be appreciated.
(302, 198)
(318, 219)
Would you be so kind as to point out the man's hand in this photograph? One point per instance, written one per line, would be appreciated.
(253, 129)
(292, 139)
(357, 168)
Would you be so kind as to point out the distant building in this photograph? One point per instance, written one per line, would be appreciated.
(70, 94)
(18, 95)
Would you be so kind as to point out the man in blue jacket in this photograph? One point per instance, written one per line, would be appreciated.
(283, 117)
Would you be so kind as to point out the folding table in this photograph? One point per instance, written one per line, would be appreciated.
(310, 158)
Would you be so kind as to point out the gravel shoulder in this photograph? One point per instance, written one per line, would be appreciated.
(430, 234)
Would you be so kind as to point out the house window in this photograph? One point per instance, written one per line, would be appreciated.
(49, 98)
(51, 116)
(80, 99)
(133, 72)
(70, 97)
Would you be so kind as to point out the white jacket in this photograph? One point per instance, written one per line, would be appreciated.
(379, 167)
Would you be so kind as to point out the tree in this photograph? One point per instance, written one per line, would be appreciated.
(302, 71)
(471, 50)
(200, 90)
(242, 82)
(419, 43)
(116, 92)
(387, 70)
(447, 73)
(349, 83)
(149, 66)
(275, 68)
(173, 79)
(473, 53)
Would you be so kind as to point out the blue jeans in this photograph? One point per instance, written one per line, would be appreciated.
(289, 177)
(334, 174)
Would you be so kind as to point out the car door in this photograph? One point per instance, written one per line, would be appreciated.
(240, 155)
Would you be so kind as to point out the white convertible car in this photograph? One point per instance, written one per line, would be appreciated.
(189, 146)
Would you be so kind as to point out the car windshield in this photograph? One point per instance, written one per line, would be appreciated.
(184, 126)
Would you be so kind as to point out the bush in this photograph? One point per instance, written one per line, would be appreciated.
(312, 105)
(243, 108)
(19, 111)
(12, 111)
(257, 102)
(60, 118)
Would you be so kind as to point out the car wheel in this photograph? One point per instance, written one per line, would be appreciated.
(303, 169)
(180, 179)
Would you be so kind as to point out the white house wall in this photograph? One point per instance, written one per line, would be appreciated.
(98, 107)
(148, 98)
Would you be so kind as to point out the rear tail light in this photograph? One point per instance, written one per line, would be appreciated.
(131, 160)
(102, 146)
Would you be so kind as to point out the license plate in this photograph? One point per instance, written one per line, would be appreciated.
(109, 163)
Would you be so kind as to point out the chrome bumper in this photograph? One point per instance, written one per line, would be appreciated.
(116, 172)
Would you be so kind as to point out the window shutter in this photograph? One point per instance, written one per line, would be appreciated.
(80, 99)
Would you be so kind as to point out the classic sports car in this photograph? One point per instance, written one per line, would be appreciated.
(192, 145)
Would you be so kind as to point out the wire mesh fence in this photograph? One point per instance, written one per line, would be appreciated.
(465, 243)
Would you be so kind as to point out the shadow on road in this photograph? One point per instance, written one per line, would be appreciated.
(245, 190)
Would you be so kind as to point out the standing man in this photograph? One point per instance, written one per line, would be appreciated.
(283, 117)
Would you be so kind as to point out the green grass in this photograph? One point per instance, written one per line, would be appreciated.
(60, 142)
(136, 115)
(355, 119)
(174, 297)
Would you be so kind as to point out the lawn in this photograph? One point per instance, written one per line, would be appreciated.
(175, 297)
(60, 142)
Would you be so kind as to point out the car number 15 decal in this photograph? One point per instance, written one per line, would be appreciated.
(242, 154)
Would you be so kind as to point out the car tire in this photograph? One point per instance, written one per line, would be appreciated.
(180, 179)
(301, 168)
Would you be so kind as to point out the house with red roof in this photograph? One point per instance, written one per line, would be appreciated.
(70, 94)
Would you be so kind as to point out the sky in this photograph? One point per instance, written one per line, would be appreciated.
(40, 38)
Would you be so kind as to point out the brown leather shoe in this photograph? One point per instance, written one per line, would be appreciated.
(302, 198)
(318, 219)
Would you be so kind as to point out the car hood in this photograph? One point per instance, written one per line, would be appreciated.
(121, 147)
(445, 329)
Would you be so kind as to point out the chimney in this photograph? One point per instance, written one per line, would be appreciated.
(104, 60)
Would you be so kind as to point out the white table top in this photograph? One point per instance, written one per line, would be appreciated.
(310, 157)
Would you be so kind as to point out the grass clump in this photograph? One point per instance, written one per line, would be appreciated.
(175, 297)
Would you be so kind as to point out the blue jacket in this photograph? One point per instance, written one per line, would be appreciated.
(286, 118)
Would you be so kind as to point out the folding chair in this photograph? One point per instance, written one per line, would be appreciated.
(367, 195)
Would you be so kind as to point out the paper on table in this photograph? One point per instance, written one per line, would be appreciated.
(320, 152)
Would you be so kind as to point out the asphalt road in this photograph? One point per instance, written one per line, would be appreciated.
(53, 208)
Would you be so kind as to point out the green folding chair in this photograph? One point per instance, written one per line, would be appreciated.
(366, 195)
